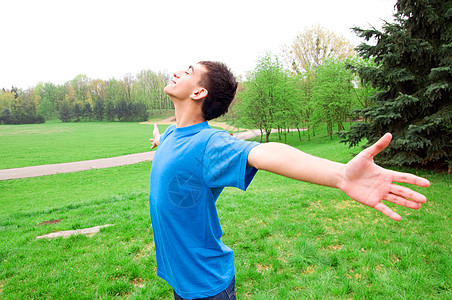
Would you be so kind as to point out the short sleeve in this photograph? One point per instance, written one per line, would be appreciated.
(167, 131)
(225, 161)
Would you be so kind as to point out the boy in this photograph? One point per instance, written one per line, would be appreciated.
(194, 163)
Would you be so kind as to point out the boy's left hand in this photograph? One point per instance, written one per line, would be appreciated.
(369, 184)
(156, 137)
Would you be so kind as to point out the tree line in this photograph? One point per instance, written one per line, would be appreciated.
(273, 98)
(131, 99)
(401, 83)
(310, 86)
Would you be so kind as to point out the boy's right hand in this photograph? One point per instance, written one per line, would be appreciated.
(156, 137)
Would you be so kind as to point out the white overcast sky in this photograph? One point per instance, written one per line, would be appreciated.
(55, 40)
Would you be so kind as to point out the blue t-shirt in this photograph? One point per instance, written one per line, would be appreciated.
(191, 167)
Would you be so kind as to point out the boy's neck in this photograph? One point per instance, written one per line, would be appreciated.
(187, 116)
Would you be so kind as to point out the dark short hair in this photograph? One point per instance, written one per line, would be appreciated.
(221, 86)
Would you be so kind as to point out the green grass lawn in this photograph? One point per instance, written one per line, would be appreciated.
(55, 142)
(292, 240)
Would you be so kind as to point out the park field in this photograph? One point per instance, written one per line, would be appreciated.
(292, 240)
(55, 142)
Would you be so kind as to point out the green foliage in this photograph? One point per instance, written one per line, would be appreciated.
(332, 95)
(110, 110)
(414, 74)
(268, 99)
(273, 99)
(141, 94)
(363, 90)
(48, 93)
(65, 112)
(98, 109)
(122, 110)
(87, 111)
(19, 107)
(77, 112)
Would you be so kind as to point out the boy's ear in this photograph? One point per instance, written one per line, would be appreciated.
(199, 94)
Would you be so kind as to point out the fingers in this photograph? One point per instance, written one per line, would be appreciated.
(411, 179)
(154, 144)
(402, 201)
(388, 212)
(407, 193)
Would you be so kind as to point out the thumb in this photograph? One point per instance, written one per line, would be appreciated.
(379, 146)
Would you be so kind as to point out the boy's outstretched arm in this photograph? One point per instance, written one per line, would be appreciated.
(360, 178)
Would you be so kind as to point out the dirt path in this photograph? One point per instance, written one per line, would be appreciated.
(78, 166)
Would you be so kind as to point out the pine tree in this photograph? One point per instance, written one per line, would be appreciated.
(414, 76)
(110, 110)
(99, 109)
(65, 113)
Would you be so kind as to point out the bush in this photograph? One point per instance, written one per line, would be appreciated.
(65, 113)
(20, 117)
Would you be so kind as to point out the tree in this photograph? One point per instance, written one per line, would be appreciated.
(163, 100)
(363, 90)
(332, 95)
(113, 91)
(65, 113)
(110, 110)
(126, 88)
(414, 73)
(122, 110)
(98, 89)
(267, 100)
(5, 117)
(69, 97)
(19, 107)
(47, 92)
(312, 47)
(145, 88)
(87, 111)
(81, 86)
(77, 112)
(139, 111)
(98, 109)
(7, 99)
(307, 52)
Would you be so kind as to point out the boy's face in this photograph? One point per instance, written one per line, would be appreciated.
(186, 83)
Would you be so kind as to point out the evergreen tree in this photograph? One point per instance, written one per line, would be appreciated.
(110, 110)
(65, 113)
(414, 76)
(5, 117)
(99, 109)
(87, 111)
(77, 112)
(122, 110)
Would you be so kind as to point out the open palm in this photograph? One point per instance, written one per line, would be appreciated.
(369, 184)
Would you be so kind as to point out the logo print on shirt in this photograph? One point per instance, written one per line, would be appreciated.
(185, 190)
